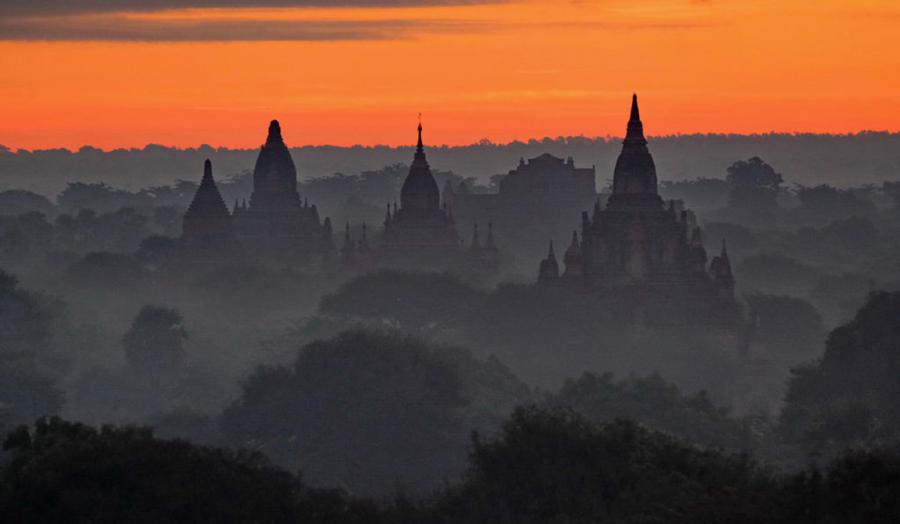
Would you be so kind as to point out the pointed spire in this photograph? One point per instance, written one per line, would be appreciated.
(551, 255)
(724, 257)
(347, 250)
(635, 133)
(419, 148)
(274, 133)
(207, 170)
(364, 241)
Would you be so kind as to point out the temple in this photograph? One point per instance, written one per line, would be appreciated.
(421, 224)
(640, 242)
(207, 225)
(275, 225)
(538, 199)
(421, 233)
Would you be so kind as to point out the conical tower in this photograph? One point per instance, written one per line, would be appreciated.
(549, 270)
(207, 221)
(634, 179)
(420, 194)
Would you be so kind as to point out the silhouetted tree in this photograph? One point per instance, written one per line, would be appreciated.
(370, 411)
(67, 472)
(553, 466)
(657, 404)
(754, 184)
(789, 328)
(155, 340)
(851, 397)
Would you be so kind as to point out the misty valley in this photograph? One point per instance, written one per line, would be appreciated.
(546, 341)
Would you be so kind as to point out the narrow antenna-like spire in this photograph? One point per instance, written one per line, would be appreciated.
(419, 148)
(635, 112)
(550, 252)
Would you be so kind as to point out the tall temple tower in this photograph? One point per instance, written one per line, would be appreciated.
(420, 225)
(277, 221)
(638, 240)
(207, 223)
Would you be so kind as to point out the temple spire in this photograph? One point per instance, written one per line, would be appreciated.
(274, 133)
(207, 170)
(635, 133)
(420, 149)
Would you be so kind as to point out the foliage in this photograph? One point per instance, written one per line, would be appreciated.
(412, 300)
(829, 201)
(789, 328)
(553, 466)
(68, 472)
(369, 411)
(156, 338)
(850, 396)
(657, 404)
(17, 202)
(754, 184)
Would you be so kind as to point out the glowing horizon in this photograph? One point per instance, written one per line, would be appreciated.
(501, 71)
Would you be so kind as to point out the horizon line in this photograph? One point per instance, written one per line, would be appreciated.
(482, 142)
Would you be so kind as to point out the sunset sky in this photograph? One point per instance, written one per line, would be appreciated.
(130, 72)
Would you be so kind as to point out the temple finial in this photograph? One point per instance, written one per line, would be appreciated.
(274, 132)
(207, 170)
(635, 133)
(419, 147)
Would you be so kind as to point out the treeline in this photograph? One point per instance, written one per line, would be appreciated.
(544, 465)
(811, 159)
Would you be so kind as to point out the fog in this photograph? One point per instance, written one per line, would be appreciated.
(368, 371)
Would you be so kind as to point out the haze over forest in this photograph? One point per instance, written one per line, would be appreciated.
(806, 159)
(661, 313)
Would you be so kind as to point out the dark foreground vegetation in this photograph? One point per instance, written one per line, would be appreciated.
(544, 465)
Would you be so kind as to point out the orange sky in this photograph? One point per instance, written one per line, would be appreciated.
(502, 71)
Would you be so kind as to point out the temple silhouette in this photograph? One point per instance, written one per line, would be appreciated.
(421, 233)
(275, 226)
(640, 243)
(539, 198)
